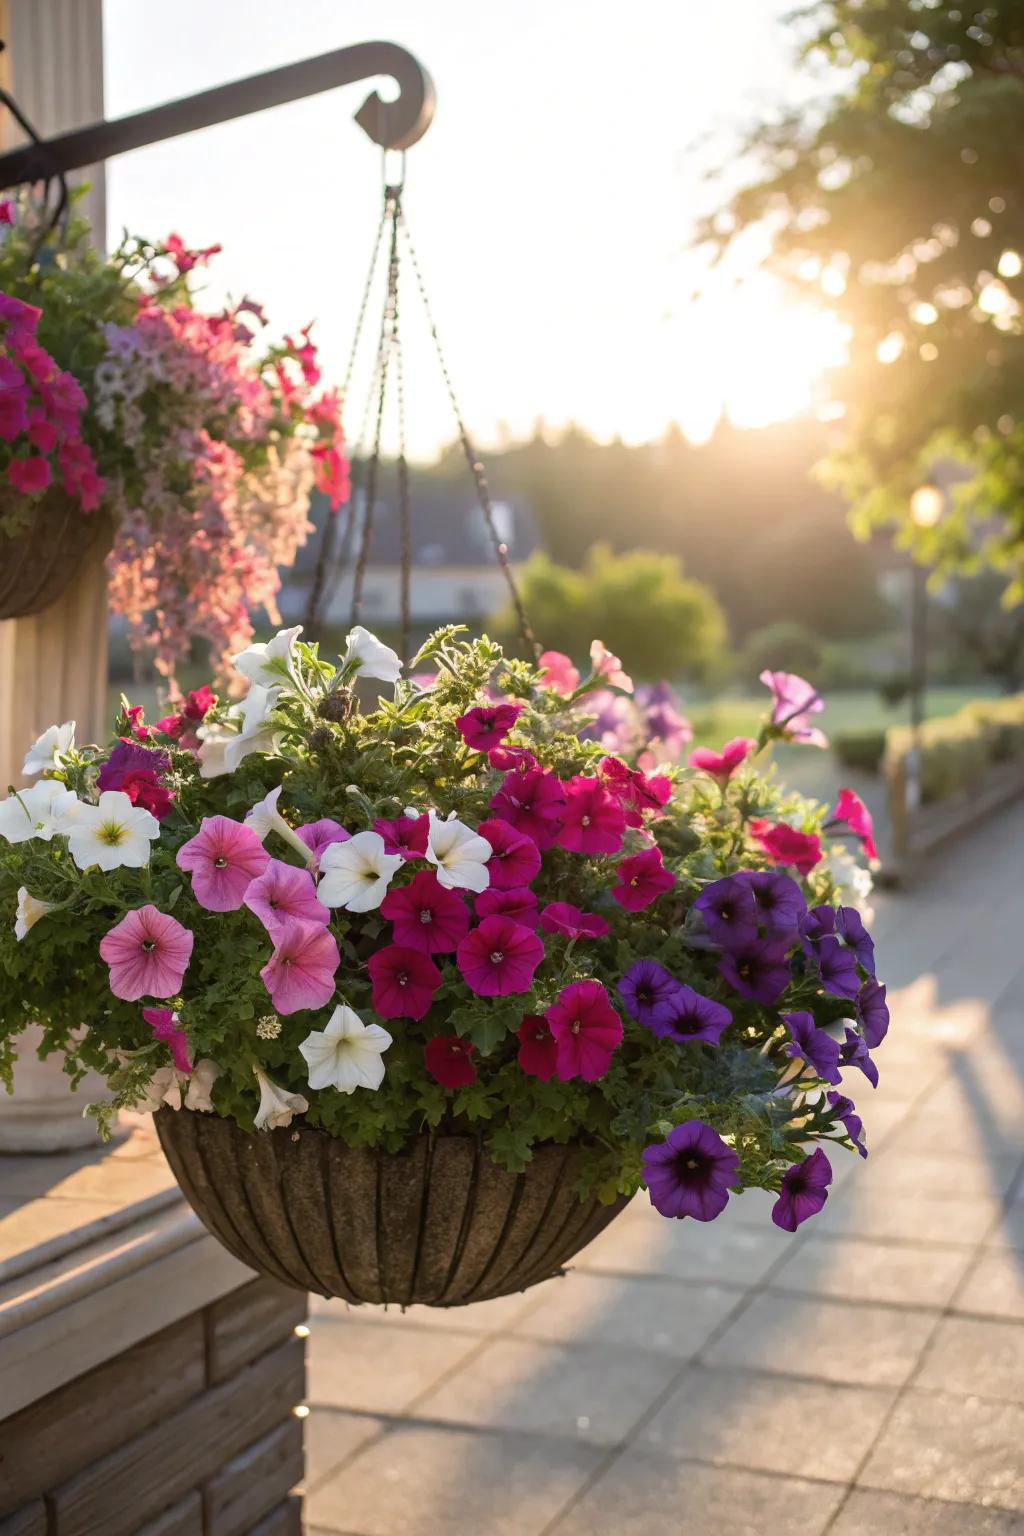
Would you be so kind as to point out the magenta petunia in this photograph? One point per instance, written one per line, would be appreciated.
(128, 758)
(784, 844)
(593, 820)
(300, 972)
(282, 893)
(538, 1048)
(587, 1031)
(406, 835)
(505, 758)
(637, 792)
(487, 725)
(147, 952)
(318, 835)
(404, 981)
(722, 765)
(558, 673)
(641, 879)
(850, 808)
(515, 859)
(164, 1024)
(520, 904)
(499, 957)
(563, 917)
(531, 801)
(224, 858)
(449, 1061)
(425, 915)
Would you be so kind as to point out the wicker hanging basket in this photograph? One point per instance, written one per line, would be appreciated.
(39, 563)
(439, 1224)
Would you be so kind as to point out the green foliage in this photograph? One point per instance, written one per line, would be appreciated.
(784, 646)
(639, 603)
(958, 750)
(863, 749)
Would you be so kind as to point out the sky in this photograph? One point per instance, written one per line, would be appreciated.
(552, 200)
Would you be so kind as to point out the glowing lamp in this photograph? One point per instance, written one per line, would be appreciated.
(927, 505)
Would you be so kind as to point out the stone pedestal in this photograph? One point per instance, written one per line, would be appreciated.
(44, 1114)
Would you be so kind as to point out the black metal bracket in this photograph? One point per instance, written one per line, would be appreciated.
(391, 124)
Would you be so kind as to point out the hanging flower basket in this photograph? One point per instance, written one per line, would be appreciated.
(439, 1224)
(39, 562)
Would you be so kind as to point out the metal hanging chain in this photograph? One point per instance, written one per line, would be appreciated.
(483, 490)
(404, 507)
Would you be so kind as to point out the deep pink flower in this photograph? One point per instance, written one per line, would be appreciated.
(128, 757)
(283, 893)
(519, 903)
(318, 835)
(14, 398)
(851, 809)
(166, 1029)
(198, 703)
(29, 475)
(593, 820)
(722, 765)
(448, 1060)
(42, 434)
(604, 664)
(587, 1031)
(7, 211)
(300, 972)
(505, 758)
(794, 701)
(558, 673)
(532, 802)
(404, 981)
(21, 318)
(515, 859)
(144, 788)
(425, 915)
(224, 857)
(538, 1048)
(499, 957)
(487, 725)
(642, 878)
(563, 917)
(783, 844)
(637, 791)
(406, 835)
(147, 952)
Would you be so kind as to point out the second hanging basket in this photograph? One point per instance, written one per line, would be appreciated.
(38, 563)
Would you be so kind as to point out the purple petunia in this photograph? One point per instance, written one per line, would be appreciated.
(693, 1017)
(758, 970)
(811, 1044)
(850, 928)
(854, 1053)
(649, 993)
(778, 900)
(804, 1191)
(873, 1012)
(689, 1173)
(127, 758)
(820, 923)
(843, 1109)
(730, 916)
(837, 968)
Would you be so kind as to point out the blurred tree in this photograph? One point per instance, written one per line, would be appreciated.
(783, 646)
(901, 198)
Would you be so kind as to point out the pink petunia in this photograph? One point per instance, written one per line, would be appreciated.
(224, 858)
(587, 1031)
(448, 1060)
(142, 787)
(593, 820)
(147, 952)
(783, 844)
(283, 893)
(722, 765)
(563, 917)
(300, 972)
(794, 701)
(538, 1048)
(642, 878)
(519, 903)
(425, 915)
(506, 758)
(487, 725)
(318, 835)
(407, 835)
(164, 1024)
(29, 475)
(558, 673)
(851, 809)
(532, 802)
(404, 981)
(515, 859)
(499, 957)
(638, 792)
(605, 665)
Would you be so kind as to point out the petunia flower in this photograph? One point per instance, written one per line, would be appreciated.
(300, 972)
(166, 1028)
(223, 858)
(29, 910)
(794, 701)
(649, 993)
(638, 792)
(837, 968)
(425, 915)
(459, 854)
(873, 1012)
(593, 820)
(641, 879)
(784, 844)
(198, 1095)
(265, 817)
(148, 952)
(854, 1053)
(487, 725)
(722, 765)
(278, 1107)
(214, 740)
(558, 673)
(128, 758)
(112, 834)
(272, 664)
(144, 789)
(809, 1043)
(850, 808)
(43, 810)
(532, 802)
(318, 835)
(817, 924)
(691, 1172)
(604, 664)
(499, 957)
(563, 917)
(258, 732)
(729, 912)
(164, 1087)
(282, 893)
(692, 1017)
(406, 835)
(48, 749)
(844, 1110)
(370, 656)
(587, 1031)
(448, 1060)
(850, 928)
(506, 758)
(404, 981)
(758, 970)
(778, 901)
(538, 1048)
(518, 904)
(346, 1054)
(804, 1191)
(515, 858)
(356, 874)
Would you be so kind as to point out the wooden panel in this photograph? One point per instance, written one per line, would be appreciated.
(252, 1485)
(135, 1483)
(77, 1424)
(244, 1325)
(30, 1520)
(185, 1519)
(285, 1520)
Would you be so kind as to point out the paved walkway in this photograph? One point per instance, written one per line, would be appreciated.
(863, 1378)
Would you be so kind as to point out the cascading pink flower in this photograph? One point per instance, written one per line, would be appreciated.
(638, 792)
(164, 1024)
(532, 802)
(587, 1031)
(147, 952)
(283, 893)
(558, 673)
(318, 835)
(722, 765)
(515, 859)
(563, 917)
(425, 915)
(487, 725)
(404, 982)
(850, 808)
(518, 903)
(499, 957)
(406, 835)
(300, 972)
(224, 858)
(641, 879)
(593, 820)
(605, 665)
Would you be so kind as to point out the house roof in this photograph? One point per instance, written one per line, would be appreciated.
(447, 528)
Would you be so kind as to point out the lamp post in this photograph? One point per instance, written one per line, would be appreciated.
(927, 505)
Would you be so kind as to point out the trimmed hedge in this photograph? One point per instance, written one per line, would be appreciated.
(957, 750)
(863, 749)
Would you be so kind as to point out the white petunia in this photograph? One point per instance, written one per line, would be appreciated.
(277, 1105)
(257, 734)
(112, 834)
(854, 882)
(460, 855)
(164, 1087)
(214, 741)
(271, 664)
(51, 746)
(356, 874)
(346, 1053)
(373, 657)
(30, 910)
(265, 818)
(42, 810)
(197, 1096)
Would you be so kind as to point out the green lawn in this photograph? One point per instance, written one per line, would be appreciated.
(717, 720)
